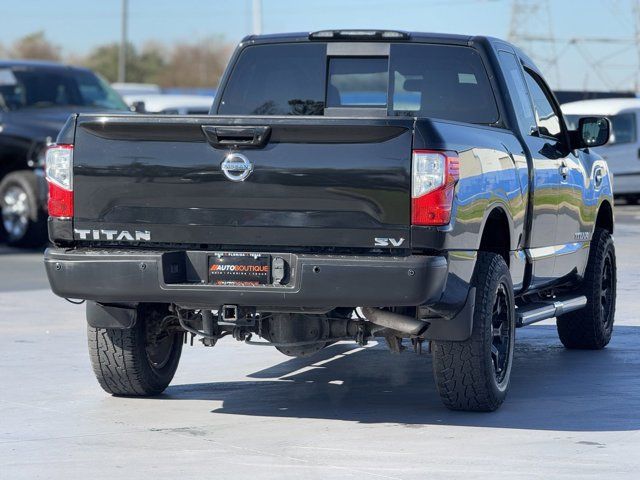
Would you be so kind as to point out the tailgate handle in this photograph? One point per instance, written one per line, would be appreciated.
(248, 137)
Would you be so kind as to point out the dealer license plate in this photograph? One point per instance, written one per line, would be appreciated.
(239, 269)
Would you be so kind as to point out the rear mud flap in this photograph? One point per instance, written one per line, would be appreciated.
(459, 327)
(108, 316)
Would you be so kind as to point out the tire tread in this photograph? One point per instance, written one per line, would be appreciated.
(120, 363)
(460, 368)
(583, 329)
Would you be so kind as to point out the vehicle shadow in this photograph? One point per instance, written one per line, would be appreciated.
(552, 388)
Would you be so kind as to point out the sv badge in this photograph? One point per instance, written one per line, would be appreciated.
(388, 242)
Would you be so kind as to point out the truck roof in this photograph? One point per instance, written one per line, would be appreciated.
(601, 106)
(420, 37)
(412, 36)
(10, 63)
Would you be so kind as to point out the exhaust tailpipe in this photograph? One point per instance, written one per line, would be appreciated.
(394, 321)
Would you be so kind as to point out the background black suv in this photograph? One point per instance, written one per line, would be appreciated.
(36, 98)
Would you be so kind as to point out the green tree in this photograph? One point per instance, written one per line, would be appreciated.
(104, 60)
(141, 67)
(150, 63)
(198, 64)
(34, 46)
(185, 64)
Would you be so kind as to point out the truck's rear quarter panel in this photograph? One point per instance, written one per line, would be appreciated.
(493, 174)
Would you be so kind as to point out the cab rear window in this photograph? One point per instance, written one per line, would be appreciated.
(278, 79)
(418, 80)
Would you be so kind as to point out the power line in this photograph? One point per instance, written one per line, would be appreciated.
(534, 15)
(527, 16)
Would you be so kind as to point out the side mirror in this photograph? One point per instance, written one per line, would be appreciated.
(138, 107)
(593, 131)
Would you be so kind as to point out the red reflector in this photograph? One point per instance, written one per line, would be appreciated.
(60, 201)
(434, 207)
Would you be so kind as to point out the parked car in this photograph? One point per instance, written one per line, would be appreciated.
(149, 98)
(171, 104)
(36, 98)
(622, 152)
(130, 89)
(452, 207)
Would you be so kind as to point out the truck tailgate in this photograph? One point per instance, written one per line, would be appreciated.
(314, 182)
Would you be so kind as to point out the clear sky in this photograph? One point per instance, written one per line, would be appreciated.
(79, 25)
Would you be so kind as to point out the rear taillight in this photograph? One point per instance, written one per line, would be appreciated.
(434, 177)
(59, 173)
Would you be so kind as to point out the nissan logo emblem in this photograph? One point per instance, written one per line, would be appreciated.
(236, 167)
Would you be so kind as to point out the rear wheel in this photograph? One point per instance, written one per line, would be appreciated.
(22, 220)
(592, 326)
(474, 375)
(138, 361)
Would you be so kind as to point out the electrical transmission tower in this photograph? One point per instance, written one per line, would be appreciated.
(613, 61)
(535, 16)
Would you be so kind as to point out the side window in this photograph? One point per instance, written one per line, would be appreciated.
(547, 118)
(519, 94)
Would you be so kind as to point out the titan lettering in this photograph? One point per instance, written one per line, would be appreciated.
(114, 235)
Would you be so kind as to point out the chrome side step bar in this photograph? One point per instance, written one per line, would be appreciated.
(538, 311)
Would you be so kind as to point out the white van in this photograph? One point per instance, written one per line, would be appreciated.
(623, 150)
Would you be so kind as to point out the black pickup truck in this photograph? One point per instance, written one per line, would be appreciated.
(347, 185)
(36, 98)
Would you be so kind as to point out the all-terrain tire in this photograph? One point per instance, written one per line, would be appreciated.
(121, 360)
(465, 372)
(591, 327)
(34, 232)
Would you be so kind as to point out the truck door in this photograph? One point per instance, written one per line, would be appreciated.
(545, 165)
(567, 172)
